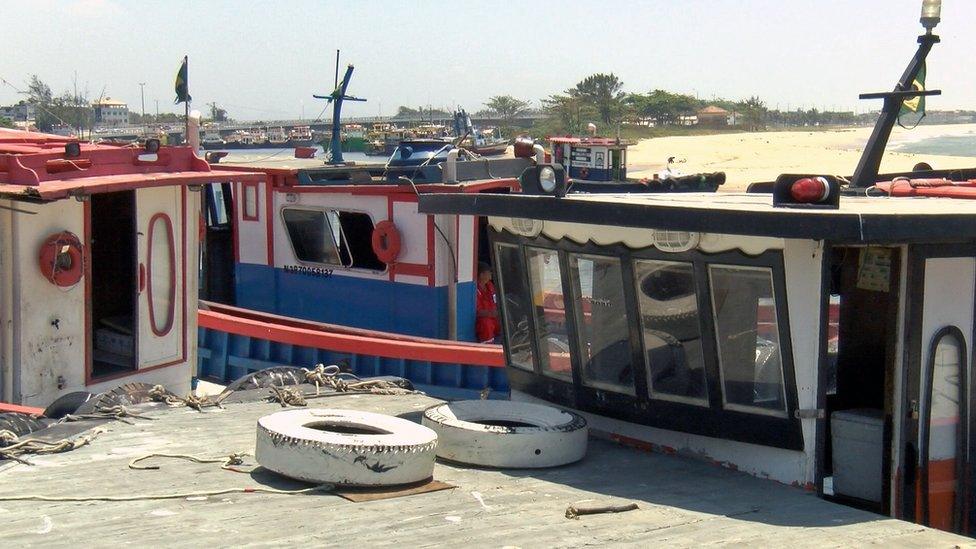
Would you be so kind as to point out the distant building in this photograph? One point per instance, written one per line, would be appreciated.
(110, 113)
(713, 117)
(21, 112)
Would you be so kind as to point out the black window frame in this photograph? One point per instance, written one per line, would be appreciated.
(342, 248)
(713, 420)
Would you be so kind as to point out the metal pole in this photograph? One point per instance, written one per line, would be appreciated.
(142, 95)
(870, 162)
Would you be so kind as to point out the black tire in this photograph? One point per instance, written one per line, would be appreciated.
(669, 304)
(19, 424)
(67, 404)
(262, 379)
(126, 395)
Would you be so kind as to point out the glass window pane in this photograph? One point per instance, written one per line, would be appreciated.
(250, 201)
(671, 330)
(602, 323)
(310, 235)
(944, 428)
(162, 274)
(549, 311)
(516, 305)
(747, 335)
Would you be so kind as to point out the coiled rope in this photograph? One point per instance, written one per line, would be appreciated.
(328, 376)
(15, 448)
(158, 393)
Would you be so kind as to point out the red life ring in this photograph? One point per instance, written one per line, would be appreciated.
(584, 172)
(61, 258)
(386, 241)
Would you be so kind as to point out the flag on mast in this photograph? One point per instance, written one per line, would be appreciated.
(182, 84)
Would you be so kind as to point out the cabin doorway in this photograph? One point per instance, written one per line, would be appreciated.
(858, 382)
(937, 441)
(217, 280)
(112, 278)
(615, 162)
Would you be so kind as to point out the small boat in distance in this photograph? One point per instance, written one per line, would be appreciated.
(486, 142)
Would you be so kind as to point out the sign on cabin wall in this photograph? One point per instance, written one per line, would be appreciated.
(581, 157)
(874, 270)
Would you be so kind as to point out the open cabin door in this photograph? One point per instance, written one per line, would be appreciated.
(937, 430)
(161, 278)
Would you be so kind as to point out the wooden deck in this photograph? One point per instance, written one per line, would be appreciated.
(682, 502)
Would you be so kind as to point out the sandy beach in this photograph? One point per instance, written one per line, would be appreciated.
(761, 156)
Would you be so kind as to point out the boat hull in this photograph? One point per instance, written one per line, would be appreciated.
(234, 342)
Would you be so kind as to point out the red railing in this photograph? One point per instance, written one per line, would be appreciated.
(342, 339)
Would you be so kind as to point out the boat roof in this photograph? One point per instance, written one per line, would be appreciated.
(859, 219)
(681, 501)
(34, 166)
(591, 141)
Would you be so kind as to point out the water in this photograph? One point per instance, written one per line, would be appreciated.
(948, 145)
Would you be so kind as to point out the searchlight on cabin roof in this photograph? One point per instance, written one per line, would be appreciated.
(931, 14)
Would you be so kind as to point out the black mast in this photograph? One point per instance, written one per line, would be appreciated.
(866, 173)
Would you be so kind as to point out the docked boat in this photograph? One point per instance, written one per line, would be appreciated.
(815, 330)
(354, 138)
(486, 143)
(98, 264)
(211, 137)
(238, 140)
(301, 136)
(277, 138)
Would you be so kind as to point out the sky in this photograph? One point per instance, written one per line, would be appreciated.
(264, 60)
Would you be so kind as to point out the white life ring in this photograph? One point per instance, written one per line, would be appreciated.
(495, 433)
(345, 447)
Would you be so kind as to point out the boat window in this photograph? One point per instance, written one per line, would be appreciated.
(747, 336)
(333, 237)
(250, 201)
(162, 274)
(353, 233)
(549, 312)
(671, 331)
(601, 321)
(311, 236)
(516, 305)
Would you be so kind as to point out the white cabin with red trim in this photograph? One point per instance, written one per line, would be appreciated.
(98, 248)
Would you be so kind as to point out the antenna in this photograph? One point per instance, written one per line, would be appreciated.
(336, 84)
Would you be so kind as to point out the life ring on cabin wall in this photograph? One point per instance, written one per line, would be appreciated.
(386, 241)
(584, 172)
(61, 258)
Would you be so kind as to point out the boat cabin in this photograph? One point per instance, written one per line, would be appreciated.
(824, 347)
(347, 245)
(591, 158)
(98, 277)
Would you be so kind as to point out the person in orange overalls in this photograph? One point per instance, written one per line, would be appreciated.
(486, 325)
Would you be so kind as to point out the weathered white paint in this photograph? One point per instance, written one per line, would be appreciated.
(156, 349)
(44, 338)
(252, 236)
(898, 368)
(803, 260)
(303, 444)
(465, 434)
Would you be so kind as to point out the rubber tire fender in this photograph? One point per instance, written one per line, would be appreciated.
(20, 424)
(535, 436)
(67, 404)
(345, 447)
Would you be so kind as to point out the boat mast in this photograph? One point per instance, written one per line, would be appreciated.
(868, 166)
(337, 96)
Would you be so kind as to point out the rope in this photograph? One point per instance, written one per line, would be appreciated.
(117, 412)
(287, 396)
(158, 393)
(329, 377)
(18, 448)
(573, 512)
(178, 495)
(226, 463)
